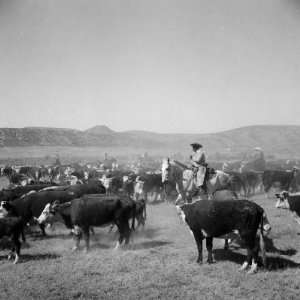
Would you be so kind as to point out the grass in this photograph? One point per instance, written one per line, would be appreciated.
(158, 264)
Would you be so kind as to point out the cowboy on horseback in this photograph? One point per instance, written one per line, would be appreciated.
(199, 165)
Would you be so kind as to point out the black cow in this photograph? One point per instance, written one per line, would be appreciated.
(211, 218)
(17, 192)
(95, 210)
(12, 227)
(91, 187)
(291, 202)
(284, 178)
(31, 206)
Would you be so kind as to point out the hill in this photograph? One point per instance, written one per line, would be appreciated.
(279, 140)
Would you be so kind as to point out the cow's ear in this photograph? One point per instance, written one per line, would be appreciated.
(277, 195)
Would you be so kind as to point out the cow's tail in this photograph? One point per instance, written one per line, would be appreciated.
(133, 217)
(262, 241)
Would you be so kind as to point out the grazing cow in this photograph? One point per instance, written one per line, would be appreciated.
(12, 227)
(284, 178)
(291, 202)
(208, 219)
(95, 210)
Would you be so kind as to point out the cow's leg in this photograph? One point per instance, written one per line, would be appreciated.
(209, 247)
(249, 241)
(254, 252)
(86, 237)
(121, 235)
(42, 226)
(127, 232)
(198, 238)
(23, 236)
(17, 249)
(77, 237)
(226, 244)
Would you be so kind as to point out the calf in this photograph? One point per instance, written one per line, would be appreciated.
(291, 202)
(208, 219)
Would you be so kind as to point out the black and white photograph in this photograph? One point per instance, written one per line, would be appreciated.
(149, 149)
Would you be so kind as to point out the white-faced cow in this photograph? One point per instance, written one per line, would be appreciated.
(291, 202)
(210, 218)
(94, 210)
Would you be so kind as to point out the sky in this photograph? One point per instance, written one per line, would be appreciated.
(160, 65)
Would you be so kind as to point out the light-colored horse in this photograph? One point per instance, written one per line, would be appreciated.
(182, 176)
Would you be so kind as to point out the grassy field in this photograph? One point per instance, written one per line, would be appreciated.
(159, 264)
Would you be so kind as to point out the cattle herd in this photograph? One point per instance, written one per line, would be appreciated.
(84, 197)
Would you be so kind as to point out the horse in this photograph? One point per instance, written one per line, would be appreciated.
(180, 175)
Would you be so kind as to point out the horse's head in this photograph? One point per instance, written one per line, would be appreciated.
(165, 170)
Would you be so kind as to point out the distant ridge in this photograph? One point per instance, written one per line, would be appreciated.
(279, 139)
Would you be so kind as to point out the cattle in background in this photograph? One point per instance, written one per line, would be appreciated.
(246, 183)
(152, 186)
(31, 172)
(208, 219)
(291, 202)
(95, 210)
(112, 184)
(91, 187)
(253, 182)
(128, 185)
(231, 166)
(238, 183)
(283, 178)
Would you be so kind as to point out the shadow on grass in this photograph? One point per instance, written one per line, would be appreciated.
(39, 236)
(270, 247)
(145, 232)
(273, 263)
(96, 245)
(149, 245)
